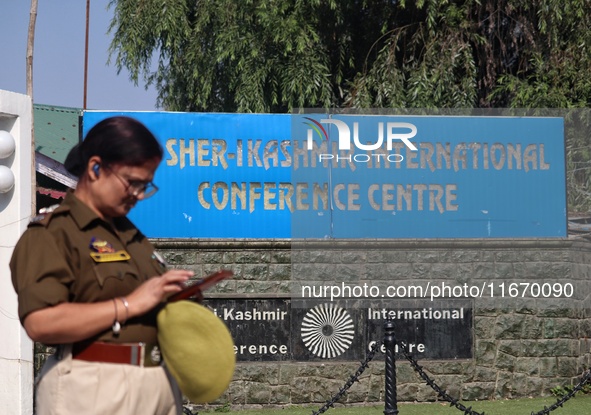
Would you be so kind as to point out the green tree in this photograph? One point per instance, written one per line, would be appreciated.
(259, 55)
(556, 75)
(276, 55)
(247, 56)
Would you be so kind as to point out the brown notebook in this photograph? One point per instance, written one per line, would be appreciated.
(195, 290)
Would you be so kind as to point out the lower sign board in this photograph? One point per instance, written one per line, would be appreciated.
(272, 329)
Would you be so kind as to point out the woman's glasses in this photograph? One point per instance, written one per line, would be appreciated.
(136, 188)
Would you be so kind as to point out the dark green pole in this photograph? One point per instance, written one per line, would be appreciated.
(390, 407)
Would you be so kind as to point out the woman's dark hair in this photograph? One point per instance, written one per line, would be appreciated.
(116, 140)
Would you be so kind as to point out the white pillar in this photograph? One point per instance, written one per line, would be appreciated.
(16, 349)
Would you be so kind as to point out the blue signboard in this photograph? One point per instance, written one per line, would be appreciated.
(430, 177)
(353, 176)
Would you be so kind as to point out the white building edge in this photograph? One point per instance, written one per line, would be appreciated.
(16, 349)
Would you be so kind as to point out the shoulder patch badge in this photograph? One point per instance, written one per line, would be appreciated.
(103, 251)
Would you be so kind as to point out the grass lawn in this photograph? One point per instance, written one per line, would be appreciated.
(579, 405)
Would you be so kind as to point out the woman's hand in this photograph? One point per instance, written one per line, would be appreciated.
(72, 322)
(155, 290)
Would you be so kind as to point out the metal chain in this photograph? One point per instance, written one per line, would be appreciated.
(468, 411)
(440, 392)
(354, 378)
(558, 404)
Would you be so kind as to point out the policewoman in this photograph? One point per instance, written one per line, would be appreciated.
(89, 283)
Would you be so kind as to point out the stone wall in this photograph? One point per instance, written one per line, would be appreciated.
(518, 350)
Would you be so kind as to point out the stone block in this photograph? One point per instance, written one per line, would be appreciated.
(257, 393)
(280, 395)
(280, 257)
(255, 272)
(514, 347)
(387, 256)
(407, 392)
(405, 373)
(395, 272)
(504, 270)
(567, 366)
(527, 365)
(477, 391)
(251, 257)
(548, 366)
(560, 327)
(375, 389)
(422, 269)
(449, 367)
(260, 373)
(349, 273)
(444, 271)
(505, 361)
(459, 256)
(236, 393)
(299, 393)
(353, 257)
(213, 257)
(280, 272)
(484, 374)
(422, 256)
(484, 271)
(357, 393)
(323, 389)
(504, 386)
(533, 327)
(426, 394)
(484, 327)
(509, 326)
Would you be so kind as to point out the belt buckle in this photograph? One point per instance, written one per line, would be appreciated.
(144, 355)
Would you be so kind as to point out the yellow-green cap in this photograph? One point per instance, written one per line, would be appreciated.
(197, 348)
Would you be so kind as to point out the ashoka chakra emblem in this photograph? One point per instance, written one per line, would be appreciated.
(327, 330)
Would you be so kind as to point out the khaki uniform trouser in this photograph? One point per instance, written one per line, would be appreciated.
(69, 386)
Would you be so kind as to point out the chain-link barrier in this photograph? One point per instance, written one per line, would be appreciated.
(354, 378)
(586, 378)
(440, 392)
(468, 411)
(558, 404)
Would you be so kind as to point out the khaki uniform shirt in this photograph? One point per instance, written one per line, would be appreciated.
(71, 255)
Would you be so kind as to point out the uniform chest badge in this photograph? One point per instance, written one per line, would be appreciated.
(103, 251)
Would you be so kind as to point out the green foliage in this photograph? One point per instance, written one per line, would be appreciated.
(224, 55)
(436, 72)
(277, 55)
(253, 55)
(224, 408)
(562, 391)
